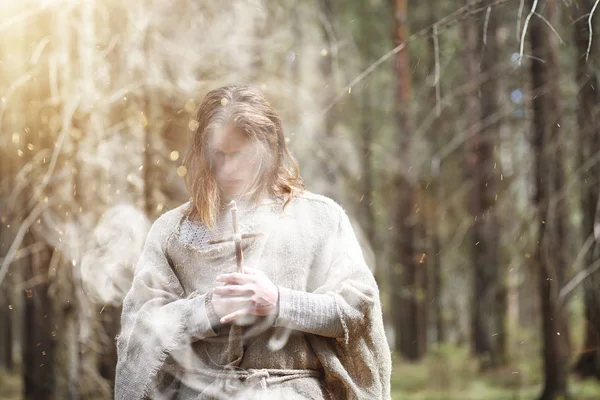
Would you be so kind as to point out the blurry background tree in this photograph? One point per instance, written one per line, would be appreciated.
(460, 135)
(550, 260)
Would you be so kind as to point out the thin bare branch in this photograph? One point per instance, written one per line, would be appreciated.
(436, 81)
(576, 20)
(551, 27)
(32, 282)
(66, 127)
(331, 38)
(519, 17)
(23, 177)
(21, 81)
(444, 23)
(525, 26)
(589, 242)
(27, 251)
(587, 53)
(37, 53)
(576, 281)
(54, 286)
(486, 23)
(366, 72)
(12, 251)
(535, 58)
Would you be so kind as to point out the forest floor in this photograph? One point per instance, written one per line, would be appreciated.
(451, 374)
(445, 374)
(10, 387)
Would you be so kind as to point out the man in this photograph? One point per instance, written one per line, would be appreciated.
(265, 296)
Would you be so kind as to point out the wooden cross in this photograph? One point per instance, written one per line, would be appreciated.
(236, 238)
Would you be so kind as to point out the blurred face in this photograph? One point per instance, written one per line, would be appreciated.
(235, 161)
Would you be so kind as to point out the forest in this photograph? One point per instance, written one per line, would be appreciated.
(461, 137)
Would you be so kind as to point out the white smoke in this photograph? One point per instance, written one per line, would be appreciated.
(107, 267)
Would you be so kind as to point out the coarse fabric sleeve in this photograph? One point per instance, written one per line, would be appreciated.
(156, 317)
(357, 364)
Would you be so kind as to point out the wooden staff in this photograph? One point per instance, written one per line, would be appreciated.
(236, 238)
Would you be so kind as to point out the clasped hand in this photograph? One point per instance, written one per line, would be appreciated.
(248, 293)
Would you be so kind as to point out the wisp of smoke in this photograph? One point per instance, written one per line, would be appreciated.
(107, 266)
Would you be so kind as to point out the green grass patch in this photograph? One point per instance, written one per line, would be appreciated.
(10, 386)
(450, 373)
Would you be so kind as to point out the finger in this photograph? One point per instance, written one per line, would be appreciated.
(234, 315)
(235, 278)
(231, 304)
(234, 290)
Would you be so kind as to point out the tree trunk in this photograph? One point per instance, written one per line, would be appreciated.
(6, 306)
(70, 306)
(365, 44)
(148, 153)
(295, 60)
(487, 318)
(409, 301)
(436, 189)
(588, 364)
(74, 312)
(38, 343)
(326, 65)
(38, 330)
(108, 358)
(497, 290)
(6, 336)
(366, 199)
(261, 24)
(550, 255)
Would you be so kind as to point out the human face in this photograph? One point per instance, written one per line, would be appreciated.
(235, 161)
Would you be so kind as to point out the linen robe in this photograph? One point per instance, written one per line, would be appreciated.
(308, 249)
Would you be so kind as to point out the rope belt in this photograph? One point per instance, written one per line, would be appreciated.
(264, 377)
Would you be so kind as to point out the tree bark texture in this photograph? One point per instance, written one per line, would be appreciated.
(406, 273)
(588, 107)
(488, 302)
(550, 259)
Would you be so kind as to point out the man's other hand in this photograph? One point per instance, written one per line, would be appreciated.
(251, 292)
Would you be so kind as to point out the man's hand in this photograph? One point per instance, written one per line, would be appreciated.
(226, 305)
(250, 293)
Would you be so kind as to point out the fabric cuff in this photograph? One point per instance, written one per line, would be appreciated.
(199, 324)
(309, 312)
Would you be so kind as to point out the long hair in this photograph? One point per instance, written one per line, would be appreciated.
(243, 107)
